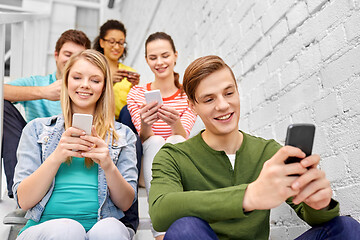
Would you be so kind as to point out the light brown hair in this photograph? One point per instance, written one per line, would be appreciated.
(75, 36)
(200, 69)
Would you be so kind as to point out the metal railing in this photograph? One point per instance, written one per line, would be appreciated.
(28, 47)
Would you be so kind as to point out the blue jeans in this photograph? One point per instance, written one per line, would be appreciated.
(12, 128)
(196, 228)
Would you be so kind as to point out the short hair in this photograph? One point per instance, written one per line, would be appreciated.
(76, 36)
(109, 25)
(200, 69)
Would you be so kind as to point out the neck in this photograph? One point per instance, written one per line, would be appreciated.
(165, 85)
(228, 143)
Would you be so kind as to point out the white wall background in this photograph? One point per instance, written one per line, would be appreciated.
(295, 61)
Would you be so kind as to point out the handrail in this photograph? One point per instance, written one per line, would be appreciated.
(23, 26)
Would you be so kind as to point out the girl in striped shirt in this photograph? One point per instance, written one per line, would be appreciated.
(158, 124)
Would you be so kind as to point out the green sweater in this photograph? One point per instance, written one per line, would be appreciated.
(192, 179)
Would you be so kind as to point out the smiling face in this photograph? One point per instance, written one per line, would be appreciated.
(85, 86)
(218, 103)
(113, 52)
(161, 58)
(61, 57)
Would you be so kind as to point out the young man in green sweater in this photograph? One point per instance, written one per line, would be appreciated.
(222, 183)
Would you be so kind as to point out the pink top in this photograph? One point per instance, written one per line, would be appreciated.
(136, 98)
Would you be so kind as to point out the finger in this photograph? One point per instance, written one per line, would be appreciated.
(294, 169)
(286, 152)
(308, 177)
(320, 199)
(311, 189)
(74, 132)
(311, 161)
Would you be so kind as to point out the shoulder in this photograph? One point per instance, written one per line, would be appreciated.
(137, 92)
(260, 145)
(38, 125)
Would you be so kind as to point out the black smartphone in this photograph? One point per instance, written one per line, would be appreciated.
(300, 135)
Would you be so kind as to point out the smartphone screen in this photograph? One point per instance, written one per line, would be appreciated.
(300, 136)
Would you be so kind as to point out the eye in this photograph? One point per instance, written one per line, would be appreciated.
(76, 77)
(152, 58)
(229, 93)
(208, 100)
(95, 80)
(165, 56)
(112, 41)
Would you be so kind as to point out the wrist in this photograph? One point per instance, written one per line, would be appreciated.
(248, 201)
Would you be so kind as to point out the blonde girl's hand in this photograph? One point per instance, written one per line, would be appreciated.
(71, 145)
(168, 115)
(98, 151)
(149, 114)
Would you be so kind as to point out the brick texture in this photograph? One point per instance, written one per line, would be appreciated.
(295, 61)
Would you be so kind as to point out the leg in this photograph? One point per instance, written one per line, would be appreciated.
(56, 229)
(175, 139)
(151, 146)
(338, 228)
(110, 229)
(12, 128)
(190, 228)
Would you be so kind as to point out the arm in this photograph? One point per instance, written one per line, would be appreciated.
(33, 178)
(27, 93)
(168, 201)
(121, 192)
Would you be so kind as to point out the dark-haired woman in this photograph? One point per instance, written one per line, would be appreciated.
(157, 124)
(112, 43)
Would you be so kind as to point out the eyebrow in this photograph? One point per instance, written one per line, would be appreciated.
(210, 94)
(167, 52)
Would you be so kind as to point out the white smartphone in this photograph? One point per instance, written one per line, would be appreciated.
(83, 122)
(153, 95)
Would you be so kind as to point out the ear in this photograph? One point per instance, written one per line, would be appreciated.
(56, 55)
(101, 42)
(192, 106)
(176, 56)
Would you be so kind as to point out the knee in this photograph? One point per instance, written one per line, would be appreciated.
(175, 139)
(65, 229)
(346, 224)
(186, 228)
(153, 144)
(109, 228)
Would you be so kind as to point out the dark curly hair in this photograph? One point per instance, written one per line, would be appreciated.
(109, 25)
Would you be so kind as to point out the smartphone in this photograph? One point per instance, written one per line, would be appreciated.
(83, 122)
(154, 95)
(300, 135)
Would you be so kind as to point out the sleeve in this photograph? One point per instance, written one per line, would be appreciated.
(127, 160)
(187, 119)
(28, 156)
(169, 202)
(23, 82)
(314, 217)
(134, 107)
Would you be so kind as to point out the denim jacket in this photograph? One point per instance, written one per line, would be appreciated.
(39, 139)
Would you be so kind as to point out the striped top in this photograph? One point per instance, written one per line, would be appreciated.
(136, 98)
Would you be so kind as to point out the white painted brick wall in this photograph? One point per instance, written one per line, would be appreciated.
(295, 61)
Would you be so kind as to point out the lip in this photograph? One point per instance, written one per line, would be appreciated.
(83, 95)
(161, 69)
(226, 119)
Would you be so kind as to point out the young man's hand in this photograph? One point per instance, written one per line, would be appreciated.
(274, 184)
(52, 91)
(315, 189)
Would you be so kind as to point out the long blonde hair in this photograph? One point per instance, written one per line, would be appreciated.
(105, 106)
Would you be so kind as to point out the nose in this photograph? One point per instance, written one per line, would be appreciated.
(85, 83)
(159, 61)
(221, 104)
